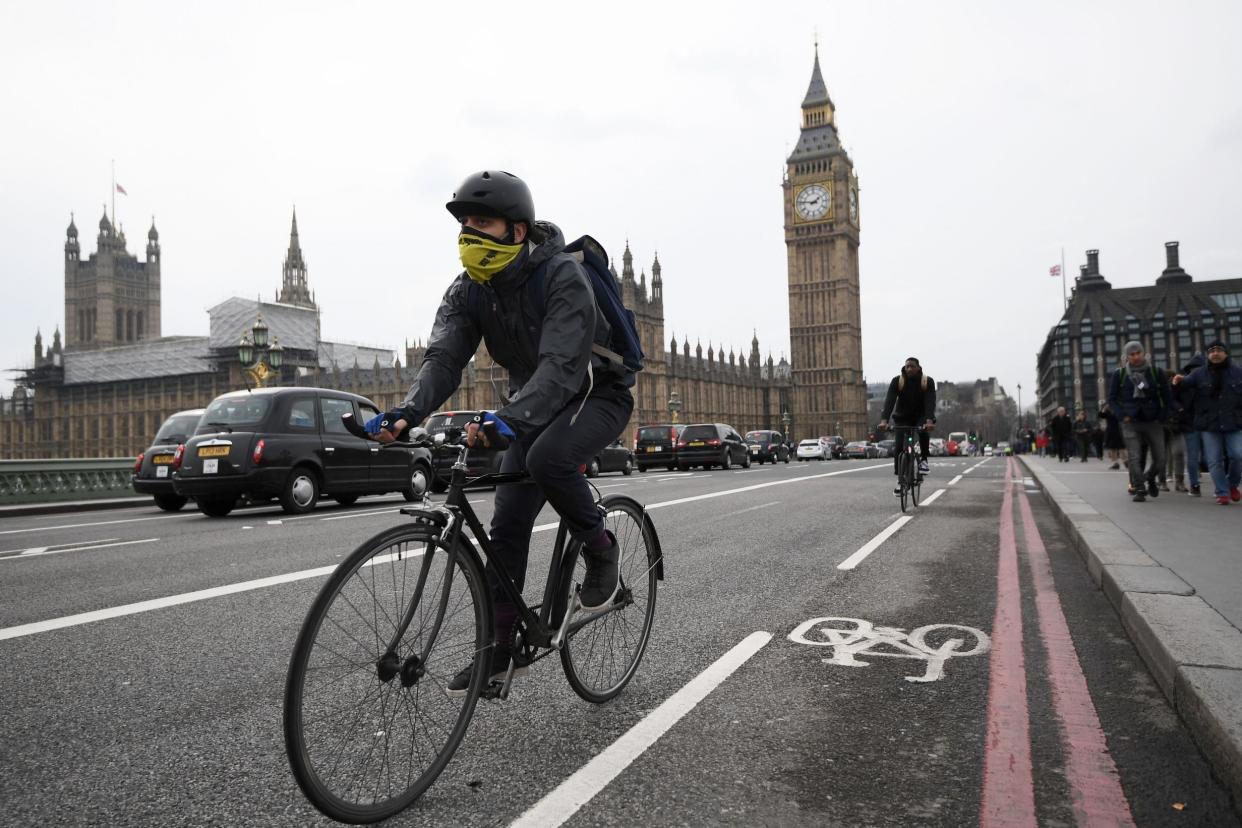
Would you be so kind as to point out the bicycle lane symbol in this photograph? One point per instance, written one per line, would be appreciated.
(853, 637)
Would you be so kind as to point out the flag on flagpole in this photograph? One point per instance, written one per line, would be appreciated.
(1055, 270)
(121, 190)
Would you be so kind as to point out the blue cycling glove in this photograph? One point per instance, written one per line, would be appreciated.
(384, 421)
(502, 428)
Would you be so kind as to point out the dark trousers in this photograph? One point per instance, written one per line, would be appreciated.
(1084, 446)
(1065, 449)
(1139, 436)
(899, 436)
(554, 456)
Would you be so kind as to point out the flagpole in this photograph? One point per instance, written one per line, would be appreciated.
(114, 194)
(1064, 295)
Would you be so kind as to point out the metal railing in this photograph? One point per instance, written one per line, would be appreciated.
(41, 481)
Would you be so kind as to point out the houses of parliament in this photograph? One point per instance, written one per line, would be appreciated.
(103, 387)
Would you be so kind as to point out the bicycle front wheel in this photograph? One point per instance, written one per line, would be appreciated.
(601, 652)
(368, 724)
(903, 478)
(916, 482)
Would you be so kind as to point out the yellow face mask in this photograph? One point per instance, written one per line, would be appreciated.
(484, 257)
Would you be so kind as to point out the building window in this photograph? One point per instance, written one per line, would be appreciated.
(1087, 346)
(1228, 300)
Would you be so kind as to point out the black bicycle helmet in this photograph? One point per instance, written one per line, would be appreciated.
(493, 193)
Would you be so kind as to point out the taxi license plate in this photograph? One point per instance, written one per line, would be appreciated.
(697, 443)
(754, 449)
(211, 466)
(213, 451)
(162, 471)
(654, 448)
(162, 459)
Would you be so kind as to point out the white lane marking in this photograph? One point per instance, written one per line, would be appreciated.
(954, 480)
(174, 600)
(874, 544)
(95, 523)
(275, 522)
(612, 486)
(751, 488)
(358, 514)
(932, 499)
(861, 637)
(56, 549)
(664, 478)
(760, 506)
(565, 800)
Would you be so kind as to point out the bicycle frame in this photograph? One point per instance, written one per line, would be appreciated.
(452, 517)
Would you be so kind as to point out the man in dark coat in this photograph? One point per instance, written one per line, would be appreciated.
(1216, 392)
(1061, 430)
(1183, 399)
(1139, 394)
(1082, 433)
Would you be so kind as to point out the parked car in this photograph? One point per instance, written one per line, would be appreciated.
(656, 445)
(290, 444)
(936, 447)
(614, 457)
(887, 448)
(813, 449)
(711, 444)
(153, 469)
(477, 463)
(862, 449)
(836, 444)
(767, 447)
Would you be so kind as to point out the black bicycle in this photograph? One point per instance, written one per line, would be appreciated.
(367, 719)
(909, 480)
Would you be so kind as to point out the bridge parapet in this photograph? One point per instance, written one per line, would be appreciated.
(41, 481)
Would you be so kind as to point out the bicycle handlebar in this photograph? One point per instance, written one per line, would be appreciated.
(420, 438)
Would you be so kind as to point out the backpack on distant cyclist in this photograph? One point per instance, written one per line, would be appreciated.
(624, 350)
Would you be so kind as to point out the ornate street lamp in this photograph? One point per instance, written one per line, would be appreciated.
(785, 420)
(260, 362)
(674, 405)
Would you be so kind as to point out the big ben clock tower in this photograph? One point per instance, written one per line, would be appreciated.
(821, 235)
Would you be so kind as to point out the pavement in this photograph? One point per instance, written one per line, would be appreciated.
(1172, 568)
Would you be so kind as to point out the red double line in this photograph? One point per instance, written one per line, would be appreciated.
(1008, 789)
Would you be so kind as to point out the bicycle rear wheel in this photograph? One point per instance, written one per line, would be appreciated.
(366, 730)
(601, 652)
(903, 478)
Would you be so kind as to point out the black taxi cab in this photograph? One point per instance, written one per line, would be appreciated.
(289, 444)
(153, 469)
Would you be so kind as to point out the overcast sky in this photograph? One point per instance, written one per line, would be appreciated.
(986, 137)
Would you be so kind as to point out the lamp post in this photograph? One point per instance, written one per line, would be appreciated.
(260, 361)
(785, 419)
(674, 405)
(1019, 406)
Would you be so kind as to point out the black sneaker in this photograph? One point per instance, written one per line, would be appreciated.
(1139, 496)
(924, 468)
(1194, 492)
(896, 490)
(599, 585)
(500, 665)
(1153, 489)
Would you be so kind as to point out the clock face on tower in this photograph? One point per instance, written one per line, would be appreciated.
(854, 205)
(813, 202)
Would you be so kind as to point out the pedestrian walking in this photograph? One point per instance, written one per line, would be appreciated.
(1139, 394)
(1082, 433)
(1061, 430)
(1174, 443)
(1183, 398)
(1216, 392)
(1113, 441)
(1041, 442)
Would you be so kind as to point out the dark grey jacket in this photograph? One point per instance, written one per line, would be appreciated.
(545, 354)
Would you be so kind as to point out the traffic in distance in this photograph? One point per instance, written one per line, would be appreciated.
(288, 445)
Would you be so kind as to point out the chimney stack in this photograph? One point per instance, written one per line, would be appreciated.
(1093, 262)
(1090, 278)
(1173, 273)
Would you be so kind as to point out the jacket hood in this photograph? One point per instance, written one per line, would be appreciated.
(1196, 361)
(534, 255)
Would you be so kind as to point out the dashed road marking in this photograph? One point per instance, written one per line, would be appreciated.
(929, 501)
(580, 788)
(56, 549)
(874, 544)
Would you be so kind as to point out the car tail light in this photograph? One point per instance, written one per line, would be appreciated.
(138, 463)
(681, 444)
(713, 442)
(257, 456)
(178, 457)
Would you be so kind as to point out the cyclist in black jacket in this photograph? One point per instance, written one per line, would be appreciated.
(565, 403)
(911, 401)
